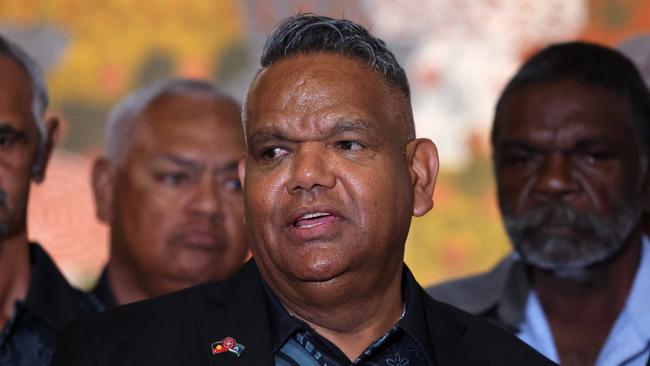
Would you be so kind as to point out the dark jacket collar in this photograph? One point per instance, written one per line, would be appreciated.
(238, 308)
(50, 297)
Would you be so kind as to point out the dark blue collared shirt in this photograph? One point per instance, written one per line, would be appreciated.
(30, 336)
(294, 342)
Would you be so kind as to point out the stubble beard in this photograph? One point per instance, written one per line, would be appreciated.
(591, 238)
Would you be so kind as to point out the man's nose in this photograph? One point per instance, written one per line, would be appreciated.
(311, 169)
(556, 178)
(205, 198)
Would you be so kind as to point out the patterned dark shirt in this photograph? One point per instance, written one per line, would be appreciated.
(295, 343)
(29, 337)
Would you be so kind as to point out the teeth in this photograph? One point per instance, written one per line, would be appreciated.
(314, 215)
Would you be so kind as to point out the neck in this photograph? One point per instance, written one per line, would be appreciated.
(349, 315)
(124, 284)
(582, 312)
(14, 274)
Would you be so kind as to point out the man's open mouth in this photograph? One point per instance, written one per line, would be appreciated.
(313, 219)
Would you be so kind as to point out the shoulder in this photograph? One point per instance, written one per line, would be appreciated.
(148, 329)
(50, 296)
(477, 293)
(483, 343)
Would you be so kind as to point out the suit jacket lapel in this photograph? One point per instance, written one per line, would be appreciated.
(446, 332)
(239, 312)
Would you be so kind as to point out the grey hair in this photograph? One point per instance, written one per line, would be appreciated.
(40, 98)
(119, 125)
(309, 33)
(305, 33)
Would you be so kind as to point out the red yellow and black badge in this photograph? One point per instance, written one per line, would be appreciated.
(227, 344)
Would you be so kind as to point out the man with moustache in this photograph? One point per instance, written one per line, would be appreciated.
(571, 144)
(36, 301)
(332, 175)
(168, 188)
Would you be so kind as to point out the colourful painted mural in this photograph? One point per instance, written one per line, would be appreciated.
(458, 54)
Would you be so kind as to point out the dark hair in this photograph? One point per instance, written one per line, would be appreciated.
(305, 33)
(592, 65)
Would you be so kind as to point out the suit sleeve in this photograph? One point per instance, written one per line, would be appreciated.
(74, 347)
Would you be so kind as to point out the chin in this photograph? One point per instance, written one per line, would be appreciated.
(317, 270)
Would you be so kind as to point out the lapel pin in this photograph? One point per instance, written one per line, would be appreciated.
(227, 344)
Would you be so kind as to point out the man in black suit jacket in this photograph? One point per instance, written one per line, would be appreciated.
(332, 175)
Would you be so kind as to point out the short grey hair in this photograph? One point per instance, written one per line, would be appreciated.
(40, 98)
(119, 125)
(309, 33)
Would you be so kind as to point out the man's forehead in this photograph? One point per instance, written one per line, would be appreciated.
(566, 106)
(192, 104)
(297, 70)
(14, 81)
(182, 123)
(15, 93)
(320, 83)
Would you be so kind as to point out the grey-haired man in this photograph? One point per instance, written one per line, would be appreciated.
(168, 188)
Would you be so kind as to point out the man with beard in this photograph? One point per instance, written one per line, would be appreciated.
(35, 299)
(571, 144)
(332, 175)
(168, 188)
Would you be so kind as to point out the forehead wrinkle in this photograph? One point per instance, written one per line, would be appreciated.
(317, 86)
(180, 160)
(340, 126)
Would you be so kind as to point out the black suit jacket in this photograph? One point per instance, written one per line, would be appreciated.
(178, 329)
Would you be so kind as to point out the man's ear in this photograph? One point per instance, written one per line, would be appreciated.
(422, 157)
(241, 171)
(43, 158)
(103, 182)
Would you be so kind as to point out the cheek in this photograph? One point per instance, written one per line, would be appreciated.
(264, 193)
(513, 191)
(16, 186)
(148, 215)
(377, 196)
(234, 218)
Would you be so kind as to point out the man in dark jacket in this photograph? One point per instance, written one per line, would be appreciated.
(332, 175)
(35, 299)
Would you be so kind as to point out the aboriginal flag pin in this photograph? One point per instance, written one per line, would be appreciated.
(227, 344)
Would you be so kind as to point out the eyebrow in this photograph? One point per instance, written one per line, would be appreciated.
(358, 125)
(8, 128)
(192, 164)
(515, 144)
(581, 144)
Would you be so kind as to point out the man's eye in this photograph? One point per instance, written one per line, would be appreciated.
(592, 157)
(273, 153)
(515, 159)
(350, 145)
(7, 139)
(233, 185)
(172, 178)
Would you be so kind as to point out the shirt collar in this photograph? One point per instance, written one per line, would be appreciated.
(50, 297)
(637, 302)
(283, 325)
(103, 292)
(631, 331)
(414, 321)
